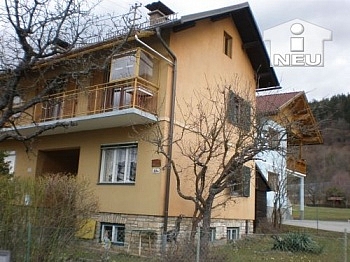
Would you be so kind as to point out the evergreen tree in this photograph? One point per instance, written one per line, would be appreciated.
(332, 110)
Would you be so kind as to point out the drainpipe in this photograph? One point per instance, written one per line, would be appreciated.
(171, 132)
(171, 125)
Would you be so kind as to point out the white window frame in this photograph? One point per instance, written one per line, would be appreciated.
(212, 234)
(114, 172)
(11, 159)
(117, 230)
(232, 233)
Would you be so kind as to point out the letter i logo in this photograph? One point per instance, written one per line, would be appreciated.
(297, 43)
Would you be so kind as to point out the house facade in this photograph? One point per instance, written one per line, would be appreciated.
(289, 122)
(122, 96)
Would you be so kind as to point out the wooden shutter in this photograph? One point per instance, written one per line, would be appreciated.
(246, 181)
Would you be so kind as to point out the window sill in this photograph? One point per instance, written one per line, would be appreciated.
(116, 183)
(120, 244)
(238, 195)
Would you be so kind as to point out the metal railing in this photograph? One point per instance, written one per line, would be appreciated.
(119, 32)
(112, 96)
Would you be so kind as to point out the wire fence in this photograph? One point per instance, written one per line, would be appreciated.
(144, 245)
(292, 246)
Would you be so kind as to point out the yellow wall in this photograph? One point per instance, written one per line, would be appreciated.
(201, 59)
(141, 198)
(202, 63)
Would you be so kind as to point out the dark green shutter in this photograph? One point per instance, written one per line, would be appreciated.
(246, 119)
(231, 108)
(246, 181)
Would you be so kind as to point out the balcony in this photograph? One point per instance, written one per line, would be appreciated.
(296, 165)
(125, 102)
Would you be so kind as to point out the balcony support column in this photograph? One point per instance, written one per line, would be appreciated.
(301, 204)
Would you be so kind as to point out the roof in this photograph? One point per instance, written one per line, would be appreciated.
(271, 104)
(161, 7)
(248, 30)
(292, 110)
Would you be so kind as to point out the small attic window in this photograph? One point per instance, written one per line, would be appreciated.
(228, 45)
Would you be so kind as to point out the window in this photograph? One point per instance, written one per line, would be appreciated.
(227, 45)
(118, 164)
(114, 232)
(239, 111)
(273, 181)
(240, 183)
(52, 107)
(123, 66)
(212, 234)
(122, 98)
(10, 160)
(146, 66)
(232, 233)
(129, 65)
(273, 138)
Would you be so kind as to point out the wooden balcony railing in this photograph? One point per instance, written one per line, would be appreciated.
(118, 95)
(296, 165)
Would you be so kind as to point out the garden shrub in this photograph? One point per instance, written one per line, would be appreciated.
(39, 217)
(296, 242)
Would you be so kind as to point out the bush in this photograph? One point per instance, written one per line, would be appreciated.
(296, 242)
(39, 217)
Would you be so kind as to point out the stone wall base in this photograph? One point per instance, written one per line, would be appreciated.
(143, 234)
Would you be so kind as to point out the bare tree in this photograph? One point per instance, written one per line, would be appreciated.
(33, 33)
(217, 140)
(278, 181)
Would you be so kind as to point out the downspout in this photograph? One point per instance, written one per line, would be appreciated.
(171, 124)
(171, 131)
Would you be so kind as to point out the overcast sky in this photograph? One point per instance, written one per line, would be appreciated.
(333, 15)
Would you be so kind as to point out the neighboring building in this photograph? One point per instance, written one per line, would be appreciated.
(165, 58)
(289, 122)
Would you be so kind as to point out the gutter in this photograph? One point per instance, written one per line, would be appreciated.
(153, 50)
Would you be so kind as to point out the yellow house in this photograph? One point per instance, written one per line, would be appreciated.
(159, 63)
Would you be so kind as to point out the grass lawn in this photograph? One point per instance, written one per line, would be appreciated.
(252, 248)
(259, 248)
(323, 213)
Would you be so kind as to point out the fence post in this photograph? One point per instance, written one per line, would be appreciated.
(198, 243)
(345, 245)
(29, 233)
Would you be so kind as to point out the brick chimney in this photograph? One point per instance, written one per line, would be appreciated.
(159, 12)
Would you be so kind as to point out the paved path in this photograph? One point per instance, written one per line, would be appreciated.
(323, 225)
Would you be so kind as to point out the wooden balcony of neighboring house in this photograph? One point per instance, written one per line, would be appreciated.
(125, 102)
(296, 165)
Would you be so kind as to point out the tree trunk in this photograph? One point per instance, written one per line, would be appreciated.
(195, 222)
(205, 231)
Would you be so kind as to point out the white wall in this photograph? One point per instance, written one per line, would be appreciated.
(274, 161)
